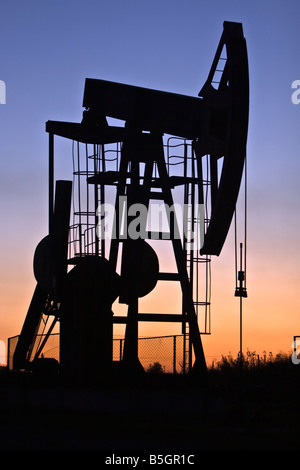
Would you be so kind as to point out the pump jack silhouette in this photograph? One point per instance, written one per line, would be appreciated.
(216, 123)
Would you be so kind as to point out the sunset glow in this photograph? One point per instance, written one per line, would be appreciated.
(50, 51)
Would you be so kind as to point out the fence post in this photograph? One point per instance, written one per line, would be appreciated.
(174, 354)
(121, 340)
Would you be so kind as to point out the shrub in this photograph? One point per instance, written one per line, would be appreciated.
(156, 368)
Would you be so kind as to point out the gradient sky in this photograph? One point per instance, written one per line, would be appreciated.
(47, 51)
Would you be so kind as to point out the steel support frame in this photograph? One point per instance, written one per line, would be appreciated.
(130, 355)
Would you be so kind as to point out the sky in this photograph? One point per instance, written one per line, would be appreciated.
(47, 51)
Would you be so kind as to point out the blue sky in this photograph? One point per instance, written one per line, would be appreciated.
(47, 51)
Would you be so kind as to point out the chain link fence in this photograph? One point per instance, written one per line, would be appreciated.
(167, 351)
(163, 353)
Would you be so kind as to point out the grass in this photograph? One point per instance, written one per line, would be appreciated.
(254, 368)
(252, 360)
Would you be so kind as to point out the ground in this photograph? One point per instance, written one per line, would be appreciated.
(160, 413)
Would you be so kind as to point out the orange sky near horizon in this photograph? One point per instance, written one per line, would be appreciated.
(270, 312)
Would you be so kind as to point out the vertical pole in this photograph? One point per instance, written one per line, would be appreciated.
(186, 338)
(174, 354)
(133, 248)
(87, 242)
(51, 179)
(241, 327)
(121, 348)
(241, 303)
(96, 202)
(240, 291)
(184, 353)
(102, 195)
